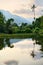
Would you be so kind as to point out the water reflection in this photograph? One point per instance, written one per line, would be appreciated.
(11, 63)
(38, 41)
(24, 51)
(4, 43)
(33, 51)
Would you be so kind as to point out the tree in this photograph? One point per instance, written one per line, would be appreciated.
(2, 22)
(36, 30)
(9, 25)
(28, 30)
(22, 27)
(33, 9)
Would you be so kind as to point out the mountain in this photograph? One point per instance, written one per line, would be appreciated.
(17, 19)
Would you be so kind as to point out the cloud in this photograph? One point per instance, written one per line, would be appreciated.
(39, 2)
(28, 12)
(14, 4)
(22, 7)
(22, 11)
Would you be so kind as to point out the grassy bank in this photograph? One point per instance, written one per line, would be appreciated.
(16, 35)
(24, 35)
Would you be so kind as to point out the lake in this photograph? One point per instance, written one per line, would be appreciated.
(21, 52)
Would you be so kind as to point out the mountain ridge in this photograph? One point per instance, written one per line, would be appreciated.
(17, 19)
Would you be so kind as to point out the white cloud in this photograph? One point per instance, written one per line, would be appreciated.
(22, 7)
(22, 11)
(14, 3)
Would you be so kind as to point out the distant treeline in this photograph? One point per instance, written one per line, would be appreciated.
(10, 27)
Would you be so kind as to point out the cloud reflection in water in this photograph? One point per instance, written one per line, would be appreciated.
(11, 63)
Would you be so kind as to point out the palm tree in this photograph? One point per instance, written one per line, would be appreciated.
(33, 9)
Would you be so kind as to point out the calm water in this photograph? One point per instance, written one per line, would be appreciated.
(21, 52)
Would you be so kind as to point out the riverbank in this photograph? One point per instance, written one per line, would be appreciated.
(24, 35)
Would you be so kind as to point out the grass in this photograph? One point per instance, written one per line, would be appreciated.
(23, 35)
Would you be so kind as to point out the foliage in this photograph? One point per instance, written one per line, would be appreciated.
(10, 27)
(38, 25)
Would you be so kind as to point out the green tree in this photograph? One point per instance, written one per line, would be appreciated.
(9, 25)
(28, 30)
(36, 30)
(2, 22)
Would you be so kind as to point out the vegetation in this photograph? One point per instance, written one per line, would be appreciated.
(30, 35)
(5, 42)
(10, 27)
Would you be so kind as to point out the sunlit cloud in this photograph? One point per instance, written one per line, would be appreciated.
(22, 7)
(22, 11)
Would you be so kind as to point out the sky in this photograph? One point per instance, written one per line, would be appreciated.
(22, 7)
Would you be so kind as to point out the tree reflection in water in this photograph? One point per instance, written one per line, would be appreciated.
(39, 41)
(33, 51)
(4, 43)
